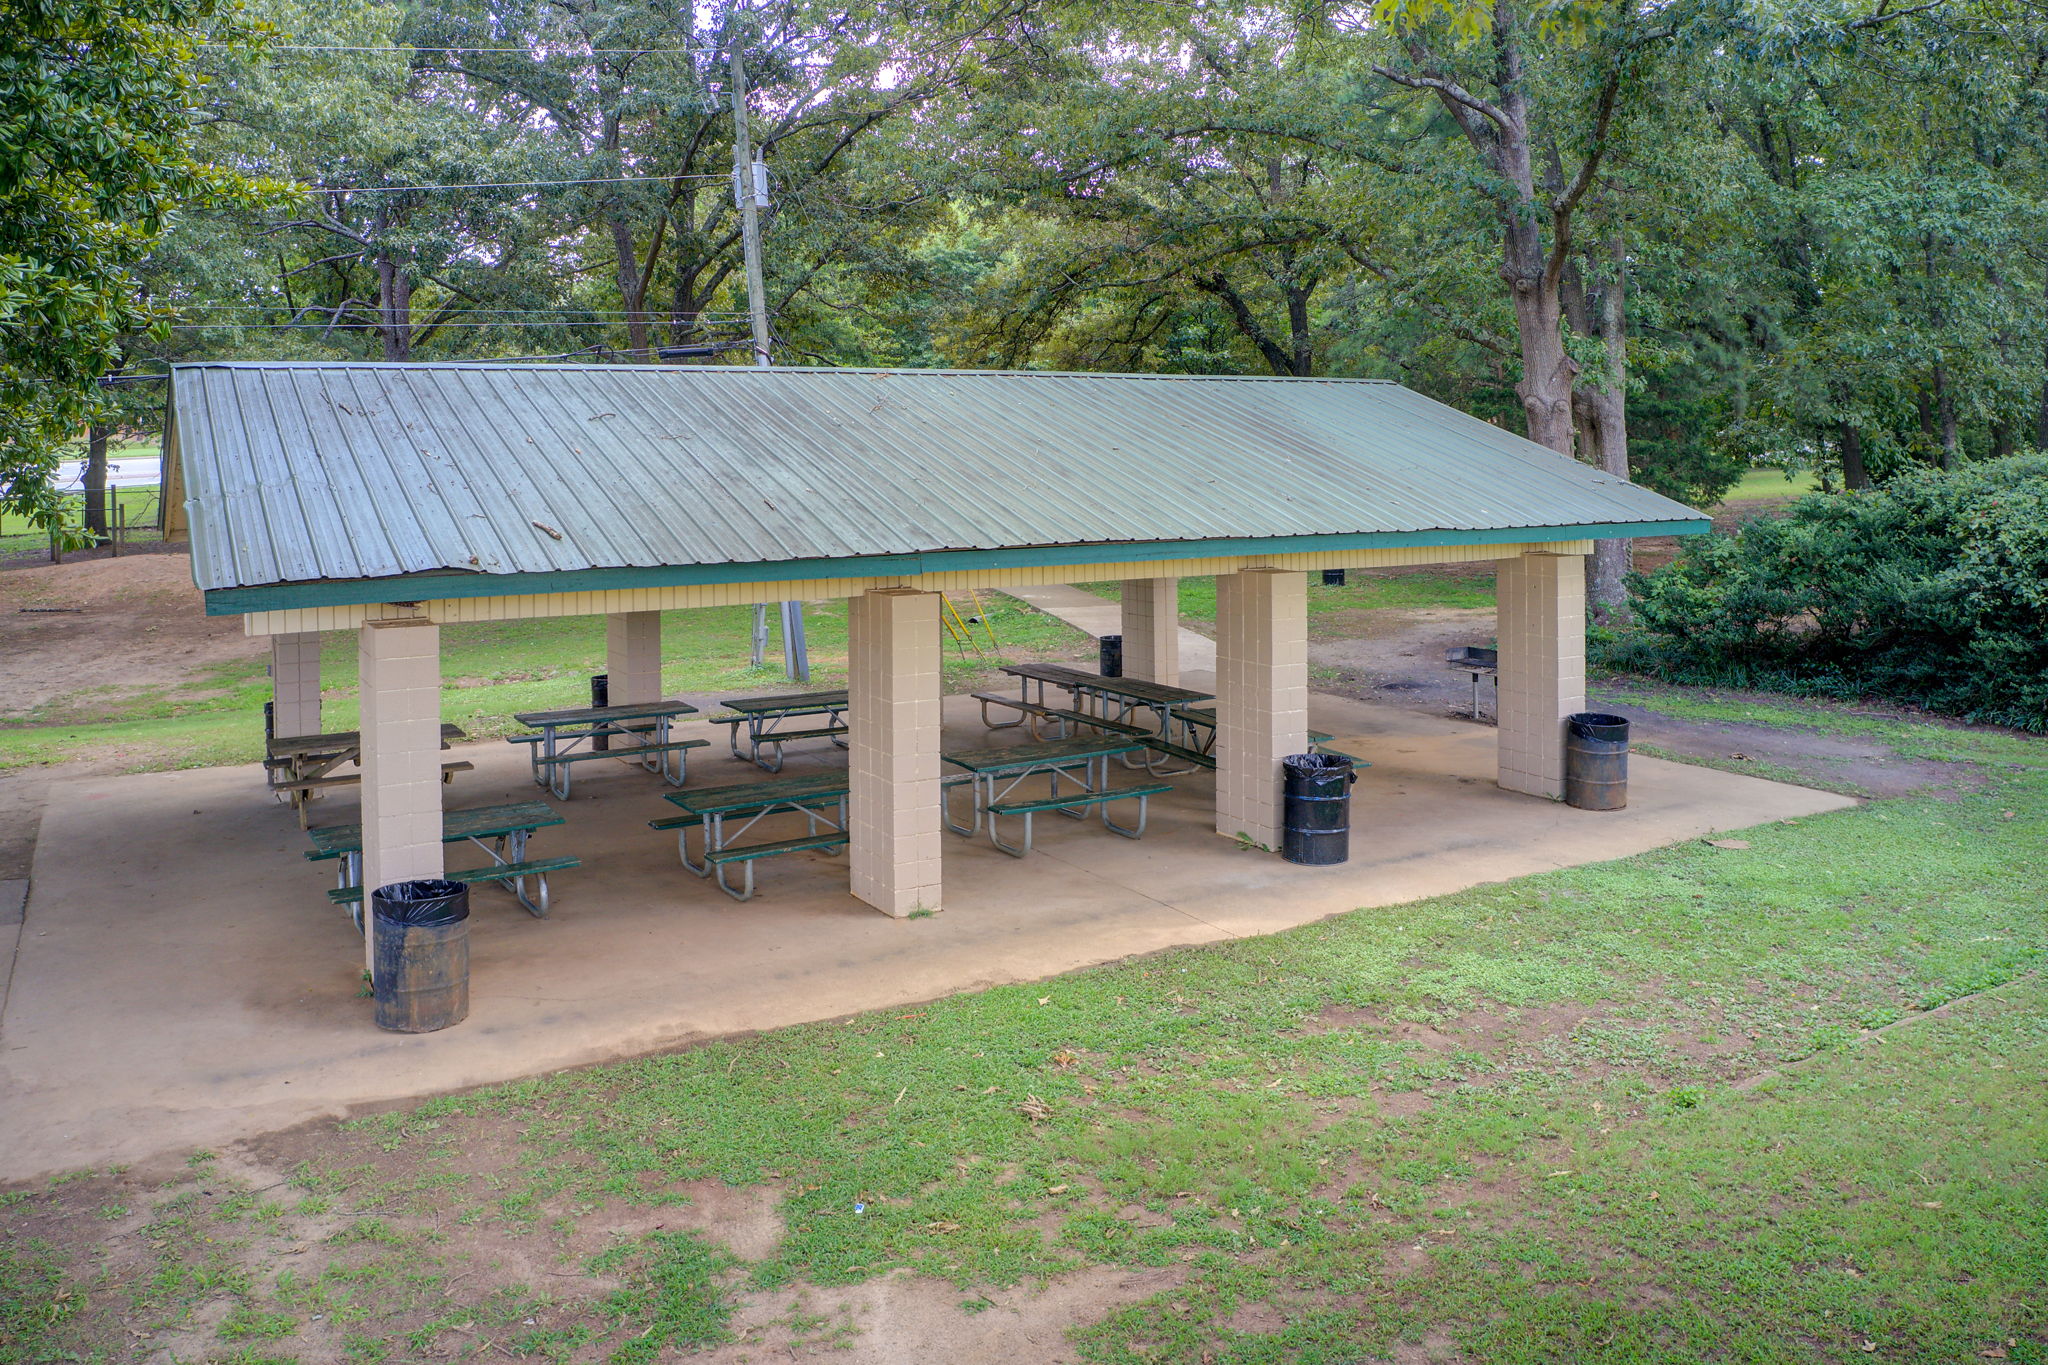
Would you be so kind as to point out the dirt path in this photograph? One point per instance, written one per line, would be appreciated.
(113, 625)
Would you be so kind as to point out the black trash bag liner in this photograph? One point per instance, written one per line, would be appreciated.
(1318, 768)
(1599, 725)
(427, 902)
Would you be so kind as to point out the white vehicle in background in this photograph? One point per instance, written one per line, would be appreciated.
(127, 471)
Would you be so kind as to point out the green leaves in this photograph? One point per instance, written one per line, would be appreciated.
(96, 104)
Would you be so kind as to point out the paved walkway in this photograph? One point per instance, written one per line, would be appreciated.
(1099, 617)
(182, 981)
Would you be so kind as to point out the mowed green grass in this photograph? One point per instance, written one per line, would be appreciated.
(1405, 590)
(1650, 1110)
(1759, 485)
(492, 671)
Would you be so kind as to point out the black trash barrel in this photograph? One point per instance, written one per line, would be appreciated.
(1596, 761)
(601, 695)
(421, 971)
(1110, 657)
(1333, 578)
(1316, 814)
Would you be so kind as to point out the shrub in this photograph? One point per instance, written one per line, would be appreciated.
(1932, 589)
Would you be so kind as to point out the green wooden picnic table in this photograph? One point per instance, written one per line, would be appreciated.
(300, 764)
(820, 799)
(996, 773)
(507, 827)
(763, 718)
(555, 747)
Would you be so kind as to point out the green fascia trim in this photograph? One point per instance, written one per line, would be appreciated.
(439, 586)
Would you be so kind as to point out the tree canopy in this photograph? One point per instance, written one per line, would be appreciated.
(1673, 240)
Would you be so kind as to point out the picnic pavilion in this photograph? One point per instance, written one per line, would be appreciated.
(389, 500)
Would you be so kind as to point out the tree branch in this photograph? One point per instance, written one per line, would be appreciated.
(1450, 90)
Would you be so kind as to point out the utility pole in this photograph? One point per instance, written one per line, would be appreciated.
(750, 194)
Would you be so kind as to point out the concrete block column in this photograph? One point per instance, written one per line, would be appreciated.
(1261, 696)
(1542, 612)
(401, 695)
(893, 708)
(295, 683)
(632, 656)
(1152, 630)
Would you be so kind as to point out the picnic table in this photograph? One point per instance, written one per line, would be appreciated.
(1077, 777)
(1105, 704)
(301, 764)
(1114, 699)
(820, 799)
(505, 827)
(555, 748)
(763, 718)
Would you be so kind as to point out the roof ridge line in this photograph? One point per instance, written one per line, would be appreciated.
(782, 370)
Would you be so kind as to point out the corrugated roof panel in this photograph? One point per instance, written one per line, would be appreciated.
(301, 472)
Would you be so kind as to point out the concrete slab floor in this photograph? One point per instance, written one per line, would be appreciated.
(182, 981)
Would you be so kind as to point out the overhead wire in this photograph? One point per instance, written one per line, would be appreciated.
(518, 184)
(507, 51)
(536, 311)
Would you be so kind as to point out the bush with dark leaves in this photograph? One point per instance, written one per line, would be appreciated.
(1932, 590)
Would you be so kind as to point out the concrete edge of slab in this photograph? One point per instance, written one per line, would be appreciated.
(13, 919)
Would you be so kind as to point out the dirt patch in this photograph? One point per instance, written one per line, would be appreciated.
(1435, 1348)
(904, 1317)
(1397, 657)
(1862, 766)
(139, 623)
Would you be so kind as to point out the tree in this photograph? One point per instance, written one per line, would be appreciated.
(94, 162)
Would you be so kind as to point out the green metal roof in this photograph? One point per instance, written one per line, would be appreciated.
(488, 479)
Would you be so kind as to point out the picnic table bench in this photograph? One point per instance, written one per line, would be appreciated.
(1081, 763)
(507, 827)
(763, 718)
(820, 799)
(302, 764)
(554, 749)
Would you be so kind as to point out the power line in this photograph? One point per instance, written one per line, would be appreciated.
(321, 324)
(507, 51)
(511, 184)
(543, 312)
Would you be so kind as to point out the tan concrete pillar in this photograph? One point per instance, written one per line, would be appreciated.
(1152, 630)
(295, 683)
(632, 656)
(1261, 696)
(1542, 613)
(893, 709)
(401, 692)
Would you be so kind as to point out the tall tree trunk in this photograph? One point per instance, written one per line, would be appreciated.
(632, 288)
(1608, 409)
(1297, 325)
(96, 481)
(1945, 415)
(394, 307)
(1854, 474)
(2041, 413)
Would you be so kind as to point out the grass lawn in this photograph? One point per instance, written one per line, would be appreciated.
(1762, 484)
(1409, 590)
(1648, 1110)
(491, 670)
